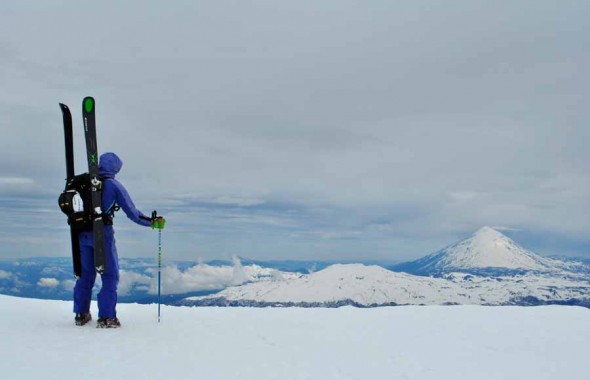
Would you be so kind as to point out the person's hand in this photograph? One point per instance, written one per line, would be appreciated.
(158, 222)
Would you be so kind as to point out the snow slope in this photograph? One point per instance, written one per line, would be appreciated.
(364, 285)
(39, 341)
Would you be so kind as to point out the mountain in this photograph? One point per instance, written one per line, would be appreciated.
(340, 284)
(487, 251)
(487, 268)
(369, 286)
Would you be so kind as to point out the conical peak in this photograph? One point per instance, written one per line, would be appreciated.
(487, 235)
(485, 248)
(489, 248)
(487, 231)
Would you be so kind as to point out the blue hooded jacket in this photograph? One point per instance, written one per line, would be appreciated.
(114, 193)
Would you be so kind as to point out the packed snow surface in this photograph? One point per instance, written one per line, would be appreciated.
(40, 341)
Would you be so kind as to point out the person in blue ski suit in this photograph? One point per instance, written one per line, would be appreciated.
(114, 195)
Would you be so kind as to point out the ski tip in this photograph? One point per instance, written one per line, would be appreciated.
(88, 104)
(63, 106)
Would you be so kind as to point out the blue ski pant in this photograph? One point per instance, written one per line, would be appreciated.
(107, 296)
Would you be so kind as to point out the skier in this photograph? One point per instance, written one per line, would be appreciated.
(114, 195)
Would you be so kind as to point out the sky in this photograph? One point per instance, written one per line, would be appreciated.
(332, 130)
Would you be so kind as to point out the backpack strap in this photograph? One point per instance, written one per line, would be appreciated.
(109, 213)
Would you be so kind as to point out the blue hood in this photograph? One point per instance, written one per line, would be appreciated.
(109, 165)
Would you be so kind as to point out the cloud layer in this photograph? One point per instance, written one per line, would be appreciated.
(338, 129)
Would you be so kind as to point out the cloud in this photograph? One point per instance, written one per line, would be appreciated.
(505, 228)
(200, 277)
(130, 280)
(48, 282)
(4, 275)
(16, 181)
(237, 201)
(68, 285)
(20, 186)
(192, 279)
(337, 235)
(432, 120)
(465, 196)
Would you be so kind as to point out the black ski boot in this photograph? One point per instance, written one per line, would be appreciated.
(108, 323)
(82, 319)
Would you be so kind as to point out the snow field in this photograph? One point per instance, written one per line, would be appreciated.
(40, 341)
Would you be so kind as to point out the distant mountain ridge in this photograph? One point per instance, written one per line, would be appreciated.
(488, 268)
(370, 286)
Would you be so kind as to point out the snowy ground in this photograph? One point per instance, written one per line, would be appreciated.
(39, 341)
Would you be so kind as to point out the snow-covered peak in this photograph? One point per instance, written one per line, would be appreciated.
(487, 232)
(489, 248)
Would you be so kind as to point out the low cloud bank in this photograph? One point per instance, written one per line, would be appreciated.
(200, 277)
(48, 283)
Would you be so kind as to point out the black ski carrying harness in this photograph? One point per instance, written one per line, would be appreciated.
(76, 202)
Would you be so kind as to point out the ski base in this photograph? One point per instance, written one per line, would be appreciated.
(88, 115)
(70, 173)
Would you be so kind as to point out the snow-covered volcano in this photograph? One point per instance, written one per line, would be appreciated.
(342, 284)
(487, 248)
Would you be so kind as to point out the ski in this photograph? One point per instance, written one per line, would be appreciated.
(88, 115)
(69, 144)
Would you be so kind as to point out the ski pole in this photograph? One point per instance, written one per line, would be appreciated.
(159, 268)
(154, 217)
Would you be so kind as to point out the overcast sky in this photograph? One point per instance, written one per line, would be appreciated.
(305, 129)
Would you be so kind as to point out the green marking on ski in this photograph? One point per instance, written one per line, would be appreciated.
(93, 158)
(88, 104)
